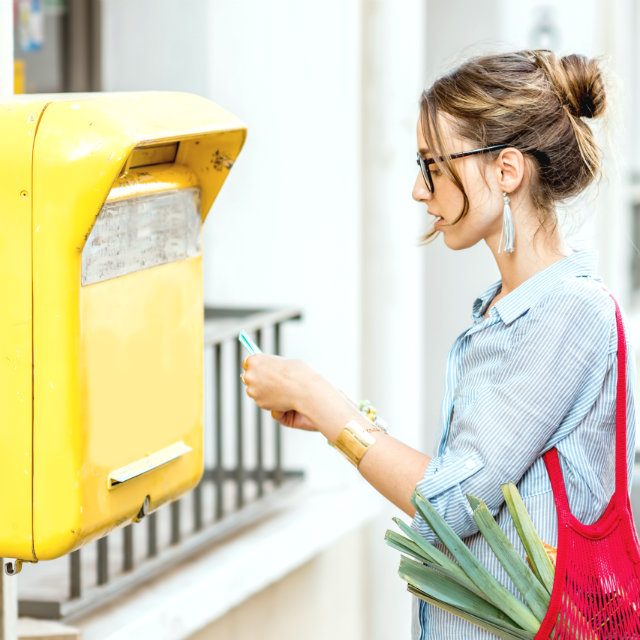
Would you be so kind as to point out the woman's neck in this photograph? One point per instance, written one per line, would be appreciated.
(531, 255)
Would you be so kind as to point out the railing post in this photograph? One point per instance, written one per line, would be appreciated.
(8, 605)
(221, 519)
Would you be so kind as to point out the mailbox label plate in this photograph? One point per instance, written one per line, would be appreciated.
(142, 232)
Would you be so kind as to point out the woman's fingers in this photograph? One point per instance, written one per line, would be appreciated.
(294, 420)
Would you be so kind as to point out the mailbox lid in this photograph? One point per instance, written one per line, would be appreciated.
(104, 130)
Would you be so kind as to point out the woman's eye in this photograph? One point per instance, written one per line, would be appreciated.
(435, 172)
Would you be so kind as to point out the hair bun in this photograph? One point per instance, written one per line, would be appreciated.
(577, 80)
(586, 93)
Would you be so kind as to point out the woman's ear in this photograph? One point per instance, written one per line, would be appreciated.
(510, 169)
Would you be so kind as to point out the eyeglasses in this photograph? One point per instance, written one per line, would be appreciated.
(424, 163)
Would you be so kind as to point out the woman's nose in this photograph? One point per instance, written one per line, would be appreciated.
(420, 192)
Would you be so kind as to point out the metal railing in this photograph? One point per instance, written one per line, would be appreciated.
(244, 480)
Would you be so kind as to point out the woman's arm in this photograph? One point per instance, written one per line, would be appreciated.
(394, 469)
(298, 397)
(389, 466)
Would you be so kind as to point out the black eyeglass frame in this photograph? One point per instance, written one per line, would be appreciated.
(424, 163)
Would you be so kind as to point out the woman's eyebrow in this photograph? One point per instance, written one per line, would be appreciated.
(423, 151)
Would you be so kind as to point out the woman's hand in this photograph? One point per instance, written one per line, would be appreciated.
(297, 396)
(278, 385)
(296, 420)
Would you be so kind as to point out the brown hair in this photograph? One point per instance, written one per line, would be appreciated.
(531, 100)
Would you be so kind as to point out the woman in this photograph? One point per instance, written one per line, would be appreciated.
(501, 140)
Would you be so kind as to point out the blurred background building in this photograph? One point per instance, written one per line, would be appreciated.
(317, 215)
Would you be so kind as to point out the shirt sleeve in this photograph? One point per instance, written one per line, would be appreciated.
(561, 347)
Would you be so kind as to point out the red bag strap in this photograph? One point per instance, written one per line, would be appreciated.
(621, 413)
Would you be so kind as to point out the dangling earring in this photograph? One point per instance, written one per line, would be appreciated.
(508, 231)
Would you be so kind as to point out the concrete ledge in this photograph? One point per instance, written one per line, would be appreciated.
(189, 597)
(32, 629)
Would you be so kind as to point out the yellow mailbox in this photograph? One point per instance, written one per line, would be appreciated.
(102, 197)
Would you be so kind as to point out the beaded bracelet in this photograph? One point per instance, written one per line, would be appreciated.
(371, 413)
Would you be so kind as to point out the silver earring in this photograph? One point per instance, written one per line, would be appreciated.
(508, 232)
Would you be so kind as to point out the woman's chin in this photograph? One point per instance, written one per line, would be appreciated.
(457, 243)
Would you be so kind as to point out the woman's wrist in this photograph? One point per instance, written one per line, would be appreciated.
(336, 417)
(328, 408)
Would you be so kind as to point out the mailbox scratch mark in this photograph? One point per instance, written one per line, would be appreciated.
(220, 161)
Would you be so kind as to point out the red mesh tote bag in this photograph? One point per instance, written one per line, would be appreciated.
(596, 589)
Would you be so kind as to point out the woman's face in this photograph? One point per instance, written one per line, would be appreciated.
(483, 221)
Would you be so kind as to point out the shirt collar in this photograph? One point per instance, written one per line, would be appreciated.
(580, 263)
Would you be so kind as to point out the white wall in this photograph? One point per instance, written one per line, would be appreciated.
(155, 45)
(317, 211)
(392, 323)
(285, 229)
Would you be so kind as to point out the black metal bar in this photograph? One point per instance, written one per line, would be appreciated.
(127, 548)
(175, 522)
(103, 560)
(220, 325)
(75, 581)
(239, 421)
(197, 508)
(77, 50)
(219, 471)
(277, 344)
(259, 444)
(95, 69)
(152, 535)
(251, 474)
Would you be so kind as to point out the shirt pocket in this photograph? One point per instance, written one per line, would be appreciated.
(542, 511)
(535, 481)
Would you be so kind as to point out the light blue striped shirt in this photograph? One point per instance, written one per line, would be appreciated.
(538, 372)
